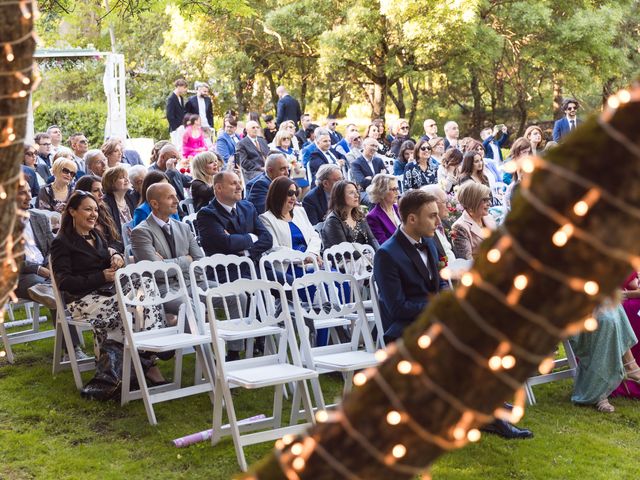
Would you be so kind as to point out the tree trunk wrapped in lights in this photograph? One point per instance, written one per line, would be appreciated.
(16, 63)
(570, 240)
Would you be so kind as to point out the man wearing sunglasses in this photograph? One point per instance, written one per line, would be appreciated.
(570, 120)
(80, 146)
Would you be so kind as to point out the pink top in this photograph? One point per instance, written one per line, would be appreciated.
(192, 145)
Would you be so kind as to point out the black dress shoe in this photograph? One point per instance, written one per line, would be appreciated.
(507, 430)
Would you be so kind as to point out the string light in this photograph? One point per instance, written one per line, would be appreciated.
(394, 417)
(359, 379)
(399, 451)
(562, 235)
(425, 341)
(591, 324)
(546, 366)
(467, 279)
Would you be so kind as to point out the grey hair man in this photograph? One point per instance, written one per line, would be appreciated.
(316, 202)
(275, 166)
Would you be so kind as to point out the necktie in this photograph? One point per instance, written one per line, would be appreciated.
(181, 100)
(166, 229)
(255, 142)
(330, 157)
(573, 124)
(233, 212)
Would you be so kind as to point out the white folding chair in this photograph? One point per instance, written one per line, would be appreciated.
(216, 270)
(376, 314)
(64, 341)
(285, 265)
(33, 319)
(191, 221)
(126, 241)
(570, 372)
(274, 370)
(186, 206)
(147, 285)
(388, 164)
(335, 296)
(54, 217)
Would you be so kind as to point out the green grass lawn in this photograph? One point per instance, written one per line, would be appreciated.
(48, 431)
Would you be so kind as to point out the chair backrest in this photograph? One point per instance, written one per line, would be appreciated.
(148, 285)
(261, 296)
(400, 180)
(214, 270)
(330, 295)
(377, 315)
(285, 265)
(186, 206)
(191, 221)
(126, 241)
(388, 164)
(351, 258)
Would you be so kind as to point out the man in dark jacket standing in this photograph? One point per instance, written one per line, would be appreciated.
(175, 105)
(288, 107)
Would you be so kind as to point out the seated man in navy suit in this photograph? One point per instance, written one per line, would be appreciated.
(231, 225)
(364, 168)
(569, 122)
(228, 139)
(324, 153)
(406, 266)
(275, 166)
(316, 202)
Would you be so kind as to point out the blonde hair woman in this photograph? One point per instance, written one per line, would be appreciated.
(468, 231)
(283, 143)
(54, 195)
(204, 166)
(289, 127)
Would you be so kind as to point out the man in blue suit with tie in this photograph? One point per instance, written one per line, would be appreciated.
(231, 225)
(406, 266)
(316, 202)
(228, 139)
(324, 153)
(569, 122)
(367, 166)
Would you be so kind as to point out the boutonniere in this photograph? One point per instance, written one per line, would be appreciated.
(442, 262)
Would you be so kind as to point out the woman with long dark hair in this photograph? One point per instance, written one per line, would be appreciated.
(105, 224)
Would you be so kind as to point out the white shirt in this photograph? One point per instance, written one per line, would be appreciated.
(31, 250)
(161, 223)
(496, 151)
(423, 253)
(202, 111)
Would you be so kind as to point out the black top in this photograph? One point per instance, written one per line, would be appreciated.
(112, 206)
(77, 265)
(201, 193)
(336, 231)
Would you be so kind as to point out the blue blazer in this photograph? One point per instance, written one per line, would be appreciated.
(488, 151)
(403, 282)
(220, 233)
(317, 159)
(257, 189)
(225, 145)
(561, 128)
(360, 169)
(288, 108)
(316, 205)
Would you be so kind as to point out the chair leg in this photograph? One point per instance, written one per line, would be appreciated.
(317, 394)
(348, 382)
(306, 400)
(126, 376)
(57, 349)
(295, 405)
(144, 389)
(216, 433)
(233, 427)
(277, 406)
(177, 369)
(7, 344)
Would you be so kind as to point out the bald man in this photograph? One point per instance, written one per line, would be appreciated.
(275, 166)
(168, 158)
(252, 151)
(161, 237)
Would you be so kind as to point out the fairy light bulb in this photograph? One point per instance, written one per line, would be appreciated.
(591, 324)
(546, 365)
(613, 102)
(381, 355)
(287, 439)
(474, 435)
(298, 463)
(527, 165)
(520, 282)
(581, 208)
(562, 235)
(399, 451)
(591, 288)
(279, 444)
(322, 416)
(459, 433)
(467, 279)
(624, 96)
(404, 367)
(495, 362)
(445, 273)
(296, 449)
(494, 255)
(424, 342)
(394, 417)
(8, 52)
(3, 354)
(508, 361)
(359, 379)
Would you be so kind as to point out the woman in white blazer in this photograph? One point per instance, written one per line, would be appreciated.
(288, 223)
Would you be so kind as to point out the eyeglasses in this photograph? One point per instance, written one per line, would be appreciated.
(431, 126)
(292, 193)
(83, 141)
(66, 171)
(425, 148)
(45, 144)
(30, 154)
(404, 127)
(572, 109)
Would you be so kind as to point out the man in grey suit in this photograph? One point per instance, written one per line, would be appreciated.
(160, 237)
(251, 152)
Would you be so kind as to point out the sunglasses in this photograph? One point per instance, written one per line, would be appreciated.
(292, 193)
(66, 171)
(424, 148)
(404, 128)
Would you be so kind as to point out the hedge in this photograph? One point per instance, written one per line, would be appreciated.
(90, 117)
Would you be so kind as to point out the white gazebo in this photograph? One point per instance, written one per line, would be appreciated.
(114, 88)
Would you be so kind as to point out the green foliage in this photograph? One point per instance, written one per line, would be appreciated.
(90, 118)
